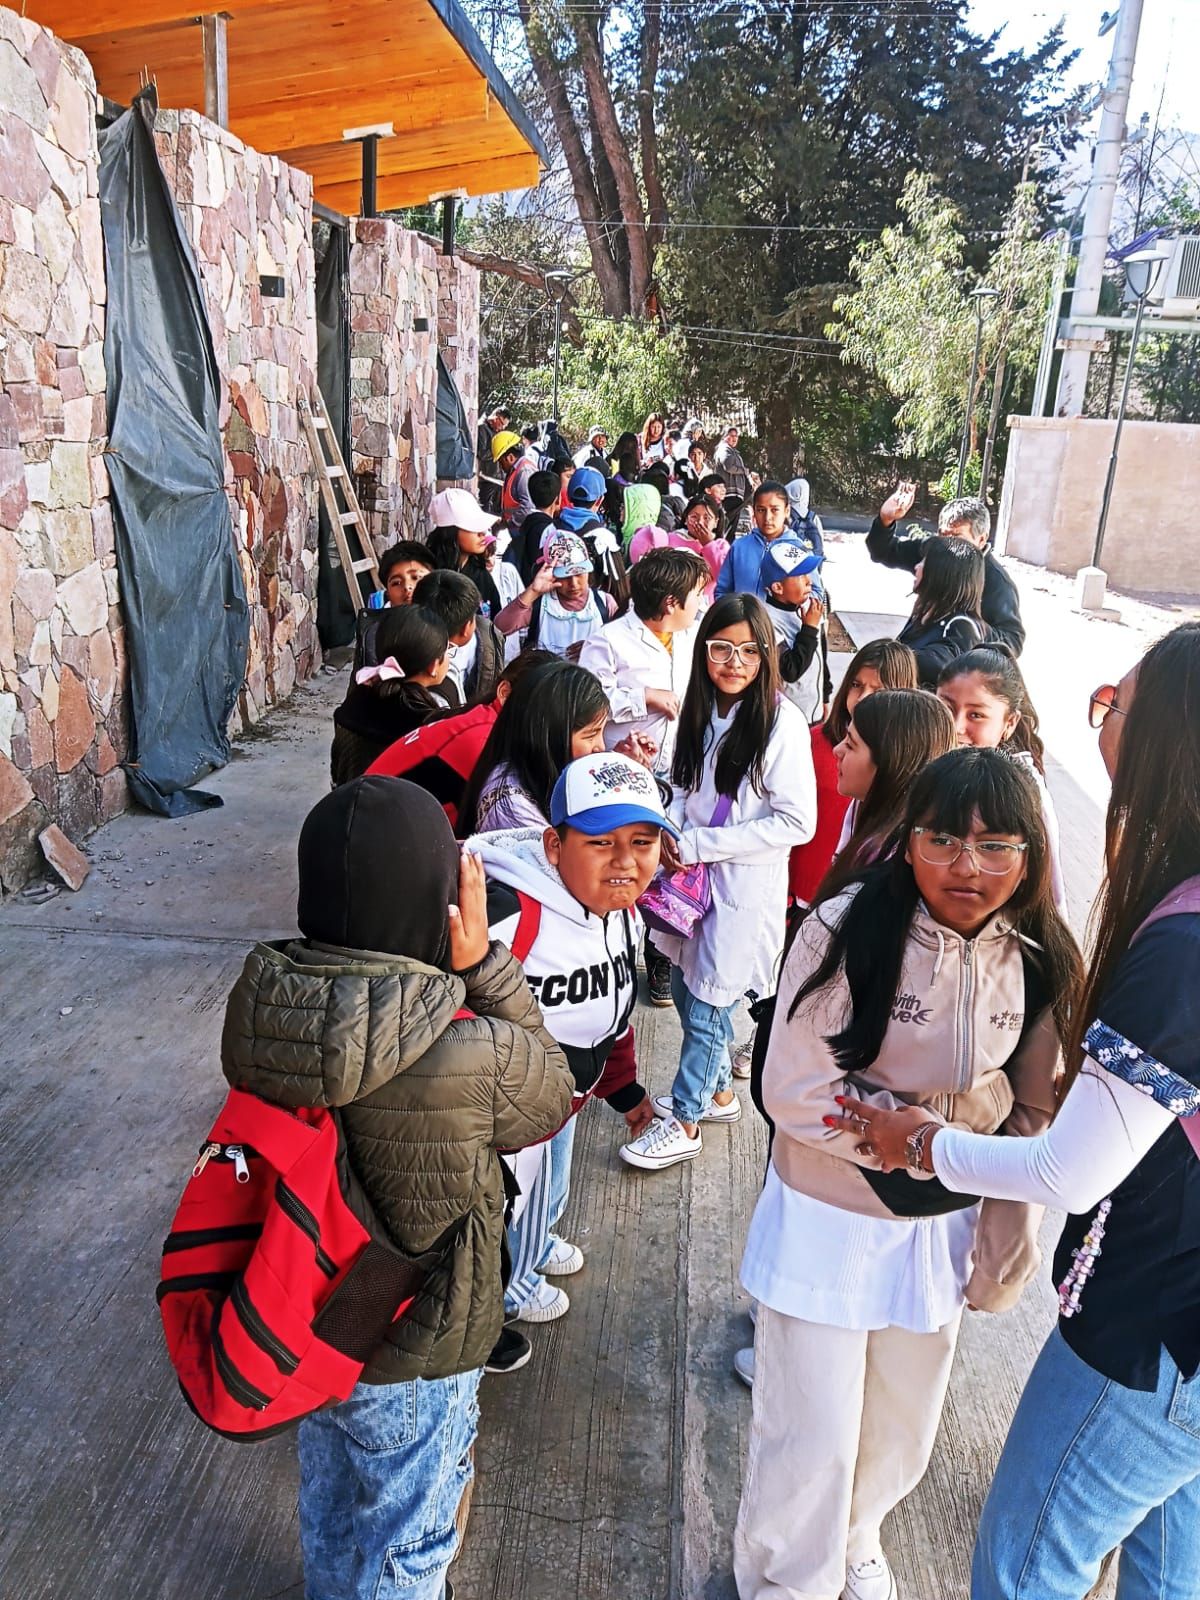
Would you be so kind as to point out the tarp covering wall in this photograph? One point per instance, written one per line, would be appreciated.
(455, 446)
(186, 619)
(336, 614)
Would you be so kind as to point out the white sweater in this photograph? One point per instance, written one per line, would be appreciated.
(737, 944)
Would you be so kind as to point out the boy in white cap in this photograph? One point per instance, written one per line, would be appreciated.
(798, 617)
(563, 900)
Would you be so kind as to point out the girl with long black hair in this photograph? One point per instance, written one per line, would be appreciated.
(556, 714)
(946, 619)
(402, 690)
(1105, 1446)
(745, 794)
(944, 976)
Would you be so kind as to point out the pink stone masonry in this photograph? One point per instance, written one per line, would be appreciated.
(249, 216)
(63, 728)
(393, 377)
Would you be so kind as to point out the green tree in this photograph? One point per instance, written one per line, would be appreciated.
(619, 373)
(911, 317)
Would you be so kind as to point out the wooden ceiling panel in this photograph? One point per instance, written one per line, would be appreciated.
(302, 71)
(415, 188)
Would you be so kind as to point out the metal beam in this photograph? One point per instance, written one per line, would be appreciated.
(370, 174)
(216, 67)
(1151, 324)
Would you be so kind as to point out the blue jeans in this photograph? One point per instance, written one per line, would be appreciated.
(381, 1477)
(705, 1067)
(1088, 1465)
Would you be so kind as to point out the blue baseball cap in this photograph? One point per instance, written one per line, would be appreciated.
(601, 792)
(786, 559)
(585, 486)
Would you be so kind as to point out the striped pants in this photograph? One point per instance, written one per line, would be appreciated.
(530, 1237)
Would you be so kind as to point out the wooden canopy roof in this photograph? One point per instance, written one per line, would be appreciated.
(302, 72)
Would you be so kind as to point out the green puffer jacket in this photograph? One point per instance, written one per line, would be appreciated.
(426, 1102)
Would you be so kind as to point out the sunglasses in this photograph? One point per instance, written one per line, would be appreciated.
(1101, 703)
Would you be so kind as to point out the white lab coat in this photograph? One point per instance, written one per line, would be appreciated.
(628, 660)
(737, 944)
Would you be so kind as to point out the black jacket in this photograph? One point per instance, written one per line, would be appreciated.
(936, 644)
(1001, 603)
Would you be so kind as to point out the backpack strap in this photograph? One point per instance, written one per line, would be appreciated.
(962, 617)
(528, 924)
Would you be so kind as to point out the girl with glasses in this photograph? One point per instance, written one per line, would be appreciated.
(942, 976)
(992, 710)
(744, 795)
(1104, 1449)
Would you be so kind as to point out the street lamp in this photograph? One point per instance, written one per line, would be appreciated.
(979, 295)
(557, 282)
(1142, 272)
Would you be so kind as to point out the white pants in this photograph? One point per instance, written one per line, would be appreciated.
(843, 1428)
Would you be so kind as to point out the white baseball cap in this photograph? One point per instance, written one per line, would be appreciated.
(604, 791)
(458, 508)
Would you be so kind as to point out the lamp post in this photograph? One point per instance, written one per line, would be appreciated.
(1142, 272)
(557, 283)
(979, 295)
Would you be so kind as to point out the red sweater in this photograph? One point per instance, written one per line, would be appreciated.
(810, 862)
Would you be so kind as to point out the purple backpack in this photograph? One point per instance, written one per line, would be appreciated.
(675, 901)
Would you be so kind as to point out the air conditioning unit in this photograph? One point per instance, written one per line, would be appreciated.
(1177, 292)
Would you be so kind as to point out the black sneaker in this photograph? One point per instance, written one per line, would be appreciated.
(510, 1352)
(658, 974)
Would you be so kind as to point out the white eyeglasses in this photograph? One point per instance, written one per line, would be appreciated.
(721, 652)
(994, 856)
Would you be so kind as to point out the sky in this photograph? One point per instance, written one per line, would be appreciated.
(1168, 44)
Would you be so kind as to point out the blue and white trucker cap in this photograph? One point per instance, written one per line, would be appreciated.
(604, 791)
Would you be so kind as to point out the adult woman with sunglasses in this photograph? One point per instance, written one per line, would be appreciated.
(744, 795)
(1105, 1445)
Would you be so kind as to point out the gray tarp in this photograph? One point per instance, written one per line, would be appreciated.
(186, 619)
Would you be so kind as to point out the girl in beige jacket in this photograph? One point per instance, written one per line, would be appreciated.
(942, 977)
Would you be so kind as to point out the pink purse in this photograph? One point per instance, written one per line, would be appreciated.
(675, 901)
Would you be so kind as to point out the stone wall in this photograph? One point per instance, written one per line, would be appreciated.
(247, 216)
(62, 667)
(1054, 483)
(458, 334)
(393, 377)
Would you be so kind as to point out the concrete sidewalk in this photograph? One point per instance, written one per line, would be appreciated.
(610, 1467)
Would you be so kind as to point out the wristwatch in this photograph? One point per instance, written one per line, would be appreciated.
(916, 1145)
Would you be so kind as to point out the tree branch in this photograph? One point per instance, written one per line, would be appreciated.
(522, 272)
(648, 132)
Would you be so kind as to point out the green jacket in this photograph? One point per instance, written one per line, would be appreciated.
(426, 1102)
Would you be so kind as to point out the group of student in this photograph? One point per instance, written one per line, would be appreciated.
(527, 760)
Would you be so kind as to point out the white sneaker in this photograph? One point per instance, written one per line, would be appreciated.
(664, 1108)
(743, 1366)
(870, 1580)
(752, 1313)
(662, 1145)
(563, 1259)
(545, 1304)
(741, 1059)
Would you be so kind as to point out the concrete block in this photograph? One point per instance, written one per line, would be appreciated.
(70, 863)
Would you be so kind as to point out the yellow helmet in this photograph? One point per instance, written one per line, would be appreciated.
(503, 442)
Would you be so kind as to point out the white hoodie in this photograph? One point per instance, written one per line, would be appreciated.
(581, 967)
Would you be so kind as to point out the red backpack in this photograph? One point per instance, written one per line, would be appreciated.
(273, 1294)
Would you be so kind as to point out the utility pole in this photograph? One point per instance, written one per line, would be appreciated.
(1097, 217)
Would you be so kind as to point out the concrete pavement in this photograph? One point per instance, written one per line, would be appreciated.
(610, 1467)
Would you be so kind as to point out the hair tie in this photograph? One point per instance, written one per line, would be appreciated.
(386, 672)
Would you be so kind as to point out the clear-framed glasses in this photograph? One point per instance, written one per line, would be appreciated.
(1101, 703)
(994, 856)
(721, 652)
